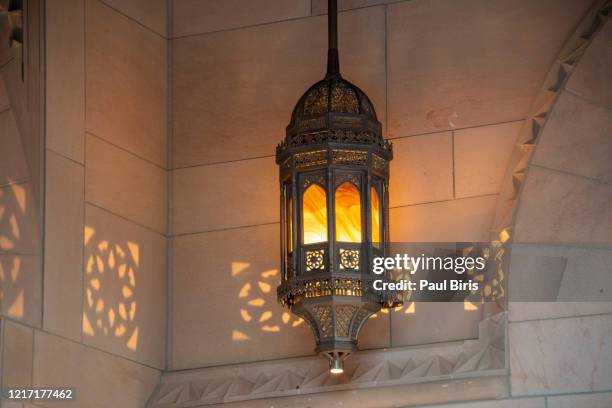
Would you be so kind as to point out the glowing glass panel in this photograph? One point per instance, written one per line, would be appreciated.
(348, 213)
(375, 217)
(314, 208)
(290, 225)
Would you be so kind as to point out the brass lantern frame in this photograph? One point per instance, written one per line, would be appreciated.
(334, 138)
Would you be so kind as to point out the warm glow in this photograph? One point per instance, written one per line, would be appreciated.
(259, 302)
(246, 316)
(336, 370)
(269, 274)
(16, 310)
(239, 336)
(348, 213)
(88, 234)
(244, 292)
(290, 225)
(238, 267)
(110, 292)
(132, 343)
(19, 192)
(135, 251)
(315, 215)
(265, 287)
(265, 316)
(411, 309)
(375, 218)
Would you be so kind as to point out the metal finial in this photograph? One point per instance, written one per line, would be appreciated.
(333, 62)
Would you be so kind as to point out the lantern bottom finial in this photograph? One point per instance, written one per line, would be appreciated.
(336, 361)
(336, 365)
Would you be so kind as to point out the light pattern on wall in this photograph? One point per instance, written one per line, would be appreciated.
(110, 306)
(484, 356)
(13, 211)
(259, 311)
(376, 368)
(557, 77)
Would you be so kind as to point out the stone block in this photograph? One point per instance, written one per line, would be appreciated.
(192, 17)
(422, 169)
(448, 61)
(126, 83)
(576, 139)
(465, 220)
(65, 212)
(481, 156)
(125, 184)
(558, 207)
(225, 195)
(100, 379)
(124, 307)
(234, 102)
(561, 355)
(65, 77)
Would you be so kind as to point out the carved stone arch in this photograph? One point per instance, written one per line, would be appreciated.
(560, 166)
(472, 365)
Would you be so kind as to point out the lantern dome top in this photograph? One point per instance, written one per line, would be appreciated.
(333, 110)
(332, 95)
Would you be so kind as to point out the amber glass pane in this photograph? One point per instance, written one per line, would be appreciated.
(348, 213)
(375, 217)
(290, 225)
(314, 206)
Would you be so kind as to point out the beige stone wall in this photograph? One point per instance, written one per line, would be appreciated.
(21, 176)
(565, 203)
(452, 83)
(21, 190)
(559, 352)
(98, 322)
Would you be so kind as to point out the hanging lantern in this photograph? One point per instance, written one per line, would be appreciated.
(334, 178)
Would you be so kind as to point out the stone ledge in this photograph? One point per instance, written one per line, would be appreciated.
(461, 362)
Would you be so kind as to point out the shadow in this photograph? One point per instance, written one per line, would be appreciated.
(14, 207)
(110, 307)
(259, 312)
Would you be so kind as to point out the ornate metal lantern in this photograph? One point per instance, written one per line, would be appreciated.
(334, 177)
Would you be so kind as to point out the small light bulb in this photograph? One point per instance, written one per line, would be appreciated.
(336, 365)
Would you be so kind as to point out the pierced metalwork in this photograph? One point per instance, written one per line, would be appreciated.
(344, 136)
(312, 124)
(323, 314)
(351, 178)
(344, 315)
(314, 179)
(378, 163)
(310, 159)
(290, 271)
(333, 138)
(344, 99)
(360, 317)
(315, 260)
(366, 105)
(317, 100)
(350, 157)
(349, 259)
(309, 319)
